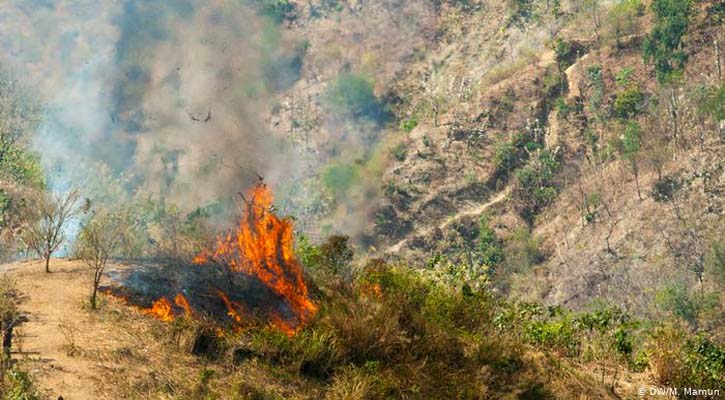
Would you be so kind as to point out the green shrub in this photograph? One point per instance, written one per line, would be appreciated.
(399, 152)
(628, 103)
(562, 107)
(521, 12)
(623, 20)
(511, 154)
(353, 95)
(715, 262)
(340, 177)
(534, 188)
(711, 102)
(663, 47)
(554, 334)
(564, 52)
(20, 386)
(277, 10)
(407, 125)
(489, 248)
(682, 361)
(677, 299)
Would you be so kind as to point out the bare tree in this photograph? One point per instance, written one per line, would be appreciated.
(99, 240)
(47, 233)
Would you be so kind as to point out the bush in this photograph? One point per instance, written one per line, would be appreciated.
(281, 69)
(715, 262)
(711, 102)
(511, 154)
(679, 361)
(534, 188)
(277, 10)
(663, 46)
(353, 95)
(664, 189)
(628, 103)
(409, 124)
(20, 387)
(340, 177)
(623, 20)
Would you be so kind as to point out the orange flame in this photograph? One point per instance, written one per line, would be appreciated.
(161, 309)
(182, 302)
(262, 246)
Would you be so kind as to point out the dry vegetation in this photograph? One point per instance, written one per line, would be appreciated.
(543, 179)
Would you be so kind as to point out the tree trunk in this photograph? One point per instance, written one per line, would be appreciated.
(93, 297)
(47, 264)
(636, 181)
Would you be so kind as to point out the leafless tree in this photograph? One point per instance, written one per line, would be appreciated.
(47, 233)
(99, 240)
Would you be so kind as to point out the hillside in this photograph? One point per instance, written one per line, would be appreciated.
(361, 199)
(71, 351)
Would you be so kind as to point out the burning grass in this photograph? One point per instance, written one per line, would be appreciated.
(251, 276)
(262, 246)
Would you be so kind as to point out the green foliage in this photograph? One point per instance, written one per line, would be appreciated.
(20, 386)
(596, 81)
(521, 11)
(399, 152)
(623, 19)
(564, 52)
(535, 187)
(490, 246)
(353, 95)
(511, 154)
(277, 10)
(631, 140)
(664, 47)
(624, 77)
(562, 107)
(715, 262)
(628, 103)
(682, 361)
(340, 177)
(711, 101)
(677, 298)
(407, 125)
(557, 334)
(332, 257)
(21, 166)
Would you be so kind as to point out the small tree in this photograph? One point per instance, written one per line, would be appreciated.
(623, 20)
(631, 144)
(47, 233)
(664, 45)
(99, 240)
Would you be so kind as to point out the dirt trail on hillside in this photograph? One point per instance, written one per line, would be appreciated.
(53, 305)
(466, 212)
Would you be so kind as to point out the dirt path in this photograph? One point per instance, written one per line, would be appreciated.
(53, 305)
(466, 212)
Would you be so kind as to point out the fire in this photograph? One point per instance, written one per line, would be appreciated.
(262, 246)
(182, 302)
(161, 309)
